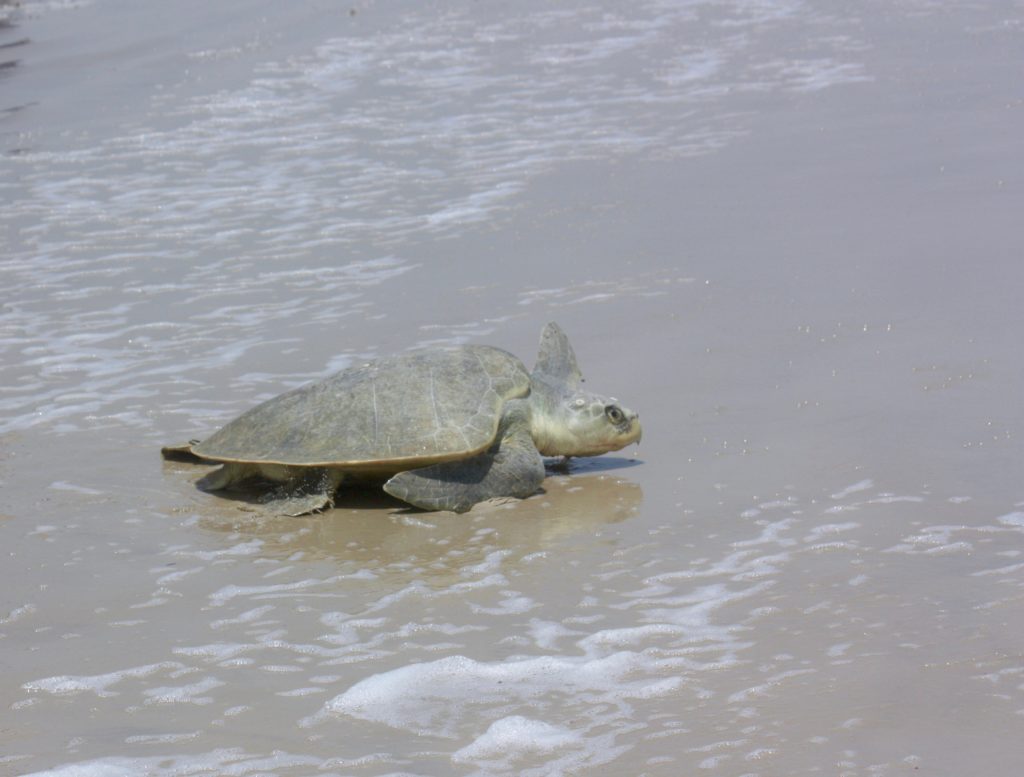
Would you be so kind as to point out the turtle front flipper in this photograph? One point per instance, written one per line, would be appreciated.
(511, 467)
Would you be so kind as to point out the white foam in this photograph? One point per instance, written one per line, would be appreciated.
(933, 540)
(860, 485)
(183, 694)
(509, 605)
(18, 613)
(346, 629)
(771, 533)
(247, 548)
(225, 594)
(215, 652)
(229, 762)
(437, 697)
(628, 636)
(829, 529)
(177, 576)
(162, 739)
(61, 485)
(508, 739)
(770, 684)
(249, 616)
(1012, 519)
(1010, 569)
(299, 692)
(100, 683)
(546, 634)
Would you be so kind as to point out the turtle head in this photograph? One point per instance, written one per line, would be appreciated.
(566, 420)
(581, 424)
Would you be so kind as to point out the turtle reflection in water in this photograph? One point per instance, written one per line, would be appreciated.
(442, 429)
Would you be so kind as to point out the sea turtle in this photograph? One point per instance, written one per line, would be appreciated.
(441, 428)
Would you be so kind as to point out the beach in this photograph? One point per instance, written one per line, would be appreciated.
(787, 233)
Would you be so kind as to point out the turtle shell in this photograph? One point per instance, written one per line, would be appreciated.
(396, 413)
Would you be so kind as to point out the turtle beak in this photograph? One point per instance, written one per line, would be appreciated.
(635, 428)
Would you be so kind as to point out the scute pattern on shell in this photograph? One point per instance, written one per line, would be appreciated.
(428, 406)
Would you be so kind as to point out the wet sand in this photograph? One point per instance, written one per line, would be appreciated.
(791, 243)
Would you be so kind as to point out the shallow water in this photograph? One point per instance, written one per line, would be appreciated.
(786, 233)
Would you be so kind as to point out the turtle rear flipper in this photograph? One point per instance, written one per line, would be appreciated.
(511, 467)
(182, 452)
(310, 491)
(313, 492)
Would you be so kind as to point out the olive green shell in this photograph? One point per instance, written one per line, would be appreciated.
(411, 410)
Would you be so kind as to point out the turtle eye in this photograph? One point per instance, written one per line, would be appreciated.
(614, 413)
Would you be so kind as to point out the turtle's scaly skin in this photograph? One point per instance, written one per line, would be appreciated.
(393, 414)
